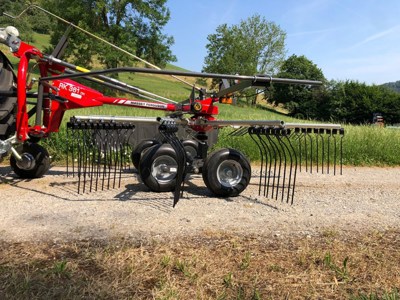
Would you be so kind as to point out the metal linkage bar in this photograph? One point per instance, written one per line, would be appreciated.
(260, 80)
(273, 123)
(99, 151)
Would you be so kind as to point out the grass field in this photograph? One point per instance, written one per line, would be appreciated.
(213, 266)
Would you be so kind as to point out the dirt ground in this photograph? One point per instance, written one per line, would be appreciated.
(50, 208)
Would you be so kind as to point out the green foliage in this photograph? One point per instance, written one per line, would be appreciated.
(253, 46)
(135, 26)
(345, 101)
(32, 21)
(355, 102)
(23, 24)
(301, 101)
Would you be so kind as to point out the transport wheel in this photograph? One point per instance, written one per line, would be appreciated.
(226, 172)
(35, 161)
(191, 148)
(158, 168)
(7, 104)
(139, 149)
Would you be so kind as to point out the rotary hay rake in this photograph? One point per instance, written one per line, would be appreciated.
(163, 150)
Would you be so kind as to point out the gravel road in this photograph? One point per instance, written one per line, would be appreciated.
(50, 208)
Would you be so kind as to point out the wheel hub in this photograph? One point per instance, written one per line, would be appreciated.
(229, 173)
(164, 169)
(27, 162)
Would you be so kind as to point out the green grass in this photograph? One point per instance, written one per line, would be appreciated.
(362, 145)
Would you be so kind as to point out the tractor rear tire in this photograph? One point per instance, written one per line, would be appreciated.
(226, 172)
(7, 104)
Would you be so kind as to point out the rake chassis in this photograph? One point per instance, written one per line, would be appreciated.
(163, 158)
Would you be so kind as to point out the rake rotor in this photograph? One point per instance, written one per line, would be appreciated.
(291, 148)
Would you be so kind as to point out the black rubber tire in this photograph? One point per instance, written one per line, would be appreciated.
(7, 104)
(191, 149)
(139, 150)
(42, 161)
(150, 164)
(231, 161)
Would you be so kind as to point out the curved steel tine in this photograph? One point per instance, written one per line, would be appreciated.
(251, 131)
(268, 163)
(295, 171)
(277, 157)
(284, 154)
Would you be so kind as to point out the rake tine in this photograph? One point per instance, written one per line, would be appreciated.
(80, 157)
(300, 135)
(323, 149)
(295, 171)
(114, 150)
(306, 148)
(268, 166)
(68, 146)
(86, 138)
(263, 147)
(103, 154)
(316, 131)
(276, 154)
(329, 148)
(251, 131)
(119, 164)
(341, 151)
(98, 160)
(72, 151)
(110, 139)
(334, 151)
(239, 131)
(92, 155)
(275, 157)
(282, 132)
(311, 149)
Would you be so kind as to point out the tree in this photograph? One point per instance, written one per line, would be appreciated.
(32, 20)
(355, 102)
(304, 101)
(134, 25)
(253, 46)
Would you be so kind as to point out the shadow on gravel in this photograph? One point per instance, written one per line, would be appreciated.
(66, 189)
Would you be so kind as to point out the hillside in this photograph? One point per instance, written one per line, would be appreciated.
(395, 86)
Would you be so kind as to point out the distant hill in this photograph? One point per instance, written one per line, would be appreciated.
(395, 86)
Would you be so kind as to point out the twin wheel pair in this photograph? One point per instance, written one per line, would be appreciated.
(226, 172)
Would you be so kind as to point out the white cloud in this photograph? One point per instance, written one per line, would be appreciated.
(391, 31)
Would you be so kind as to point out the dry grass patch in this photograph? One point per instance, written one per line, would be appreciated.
(213, 266)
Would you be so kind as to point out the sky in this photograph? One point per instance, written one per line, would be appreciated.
(347, 39)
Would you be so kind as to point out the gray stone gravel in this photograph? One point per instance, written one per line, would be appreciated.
(49, 208)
